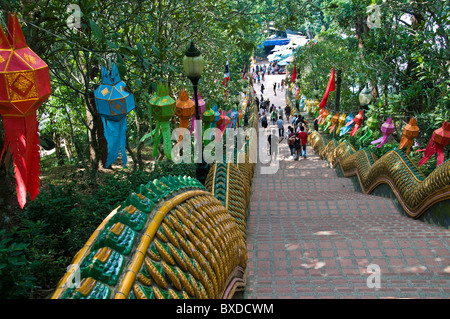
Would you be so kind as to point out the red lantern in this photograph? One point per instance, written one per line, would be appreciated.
(439, 140)
(24, 86)
(358, 121)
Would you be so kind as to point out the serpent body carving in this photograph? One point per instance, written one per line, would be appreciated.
(415, 192)
(175, 239)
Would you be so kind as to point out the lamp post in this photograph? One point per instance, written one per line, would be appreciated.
(193, 64)
(365, 97)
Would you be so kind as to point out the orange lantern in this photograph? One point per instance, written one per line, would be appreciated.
(185, 109)
(334, 120)
(324, 117)
(410, 132)
(24, 86)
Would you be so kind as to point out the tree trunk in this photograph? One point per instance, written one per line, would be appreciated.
(67, 148)
(7, 185)
(94, 150)
(338, 89)
(140, 145)
(103, 144)
(58, 151)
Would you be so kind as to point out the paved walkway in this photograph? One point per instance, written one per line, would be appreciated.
(311, 235)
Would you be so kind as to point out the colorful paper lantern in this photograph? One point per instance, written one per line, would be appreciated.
(310, 104)
(326, 124)
(410, 132)
(324, 116)
(223, 122)
(387, 129)
(163, 107)
(301, 104)
(316, 111)
(185, 109)
(202, 108)
(240, 118)
(316, 104)
(208, 119)
(234, 115)
(113, 103)
(371, 124)
(439, 140)
(215, 120)
(334, 121)
(348, 124)
(341, 122)
(358, 121)
(216, 115)
(319, 117)
(24, 86)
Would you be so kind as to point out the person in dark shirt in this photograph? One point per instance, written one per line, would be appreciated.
(291, 139)
(287, 112)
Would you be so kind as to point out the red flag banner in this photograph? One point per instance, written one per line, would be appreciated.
(330, 87)
(294, 74)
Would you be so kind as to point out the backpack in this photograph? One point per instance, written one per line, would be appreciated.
(264, 121)
(297, 144)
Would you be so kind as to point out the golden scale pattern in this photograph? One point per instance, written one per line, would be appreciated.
(180, 265)
(191, 245)
(415, 192)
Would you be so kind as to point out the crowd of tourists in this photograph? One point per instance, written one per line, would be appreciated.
(295, 136)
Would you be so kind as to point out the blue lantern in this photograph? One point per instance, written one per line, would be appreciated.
(349, 121)
(113, 103)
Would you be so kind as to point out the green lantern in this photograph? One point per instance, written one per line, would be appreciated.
(326, 124)
(208, 116)
(371, 125)
(163, 109)
(208, 119)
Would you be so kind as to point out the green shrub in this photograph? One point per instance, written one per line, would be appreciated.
(56, 225)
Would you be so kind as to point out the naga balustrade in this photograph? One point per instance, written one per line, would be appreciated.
(174, 239)
(415, 192)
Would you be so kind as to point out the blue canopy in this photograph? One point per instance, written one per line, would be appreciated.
(273, 42)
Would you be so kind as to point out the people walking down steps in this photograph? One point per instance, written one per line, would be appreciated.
(275, 107)
(312, 234)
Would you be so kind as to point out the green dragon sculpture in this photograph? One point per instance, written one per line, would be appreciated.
(174, 239)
